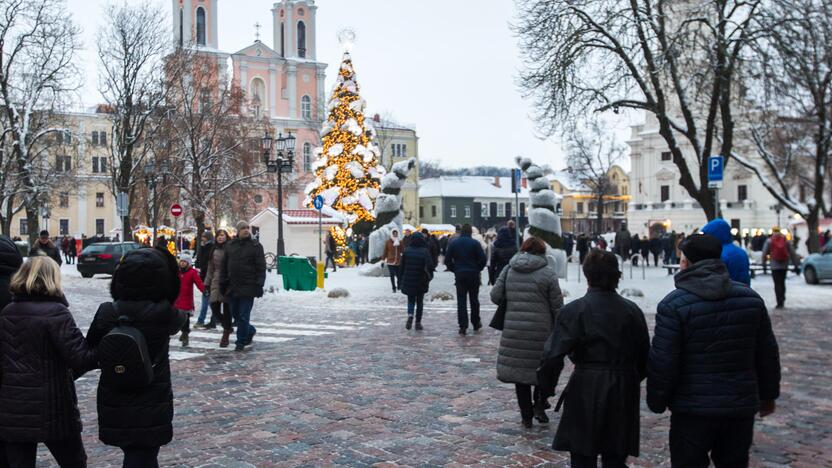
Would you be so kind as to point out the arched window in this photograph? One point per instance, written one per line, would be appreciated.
(200, 26)
(307, 157)
(306, 108)
(301, 39)
(257, 94)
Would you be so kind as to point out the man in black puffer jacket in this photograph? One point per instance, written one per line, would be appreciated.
(10, 261)
(139, 421)
(714, 360)
(242, 278)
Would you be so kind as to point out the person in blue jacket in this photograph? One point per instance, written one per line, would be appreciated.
(466, 258)
(733, 256)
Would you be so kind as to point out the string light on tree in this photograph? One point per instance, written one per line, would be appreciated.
(347, 170)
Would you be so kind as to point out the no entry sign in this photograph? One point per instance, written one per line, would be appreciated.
(176, 210)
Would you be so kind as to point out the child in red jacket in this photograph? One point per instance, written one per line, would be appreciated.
(188, 277)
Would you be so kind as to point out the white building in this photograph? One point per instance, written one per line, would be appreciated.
(300, 230)
(660, 203)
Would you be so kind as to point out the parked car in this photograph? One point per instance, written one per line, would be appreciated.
(818, 267)
(102, 257)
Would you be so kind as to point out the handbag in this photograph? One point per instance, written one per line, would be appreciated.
(499, 318)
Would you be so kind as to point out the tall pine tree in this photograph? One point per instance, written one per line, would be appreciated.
(347, 169)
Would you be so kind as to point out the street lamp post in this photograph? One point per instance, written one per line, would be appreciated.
(151, 173)
(284, 159)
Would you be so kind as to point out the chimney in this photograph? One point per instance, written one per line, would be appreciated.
(497, 181)
(523, 183)
(376, 118)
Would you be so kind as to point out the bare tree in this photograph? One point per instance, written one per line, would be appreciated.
(130, 49)
(680, 62)
(792, 126)
(591, 154)
(38, 42)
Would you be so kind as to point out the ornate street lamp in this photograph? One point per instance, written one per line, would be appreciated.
(283, 161)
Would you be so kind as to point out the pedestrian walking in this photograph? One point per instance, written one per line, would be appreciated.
(582, 246)
(433, 246)
(365, 249)
(734, 257)
(606, 337)
(714, 361)
(529, 289)
(10, 261)
(73, 250)
(655, 249)
(42, 353)
(645, 249)
(416, 272)
(242, 278)
(331, 251)
(504, 249)
(203, 259)
(667, 248)
(188, 279)
(139, 419)
(466, 259)
(220, 308)
(392, 256)
(623, 242)
(65, 248)
(569, 245)
(489, 248)
(44, 246)
(781, 253)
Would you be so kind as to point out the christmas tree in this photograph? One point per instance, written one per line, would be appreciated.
(347, 169)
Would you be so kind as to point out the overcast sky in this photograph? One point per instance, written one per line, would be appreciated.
(447, 67)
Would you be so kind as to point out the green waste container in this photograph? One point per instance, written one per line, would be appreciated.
(298, 274)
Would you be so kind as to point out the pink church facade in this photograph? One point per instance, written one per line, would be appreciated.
(284, 82)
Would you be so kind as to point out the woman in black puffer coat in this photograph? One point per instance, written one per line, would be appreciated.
(144, 287)
(42, 351)
(415, 273)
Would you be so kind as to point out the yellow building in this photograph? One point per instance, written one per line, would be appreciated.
(579, 206)
(397, 143)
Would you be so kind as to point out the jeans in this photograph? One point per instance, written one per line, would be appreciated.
(330, 258)
(394, 273)
(241, 308)
(591, 461)
(692, 438)
(223, 311)
(141, 457)
(417, 302)
(203, 310)
(68, 453)
(468, 288)
(527, 396)
(779, 277)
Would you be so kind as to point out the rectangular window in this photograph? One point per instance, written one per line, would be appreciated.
(99, 164)
(24, 226)
(579, 207)
(63, 163)
(95, 138)
(421, 211)
(63, 137)
(99, 227)
(508, 210)
(102, 138)
(99, 199)
(591, 207)
(742, 192)
(501, 210)
(665, 193)
(523, 211)
(453, 211)
(667, 156)
(484, 210)
(63, 200)
(467, 211)
(433, 211)
(64, 227)
(403, 150)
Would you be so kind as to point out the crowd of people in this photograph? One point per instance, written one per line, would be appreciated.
(42, 350)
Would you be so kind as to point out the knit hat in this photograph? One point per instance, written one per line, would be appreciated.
(242, 225)
(186, 258)
(146, 274)
(700, 247)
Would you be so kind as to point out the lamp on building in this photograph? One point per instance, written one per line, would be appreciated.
(282, 162)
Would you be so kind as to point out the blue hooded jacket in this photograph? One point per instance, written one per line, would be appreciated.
(733, 257)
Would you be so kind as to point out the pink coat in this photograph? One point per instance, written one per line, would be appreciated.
(187, 280)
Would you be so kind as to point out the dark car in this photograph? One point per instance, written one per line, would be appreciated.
(103, 257)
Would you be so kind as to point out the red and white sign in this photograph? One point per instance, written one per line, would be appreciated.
(176, 210)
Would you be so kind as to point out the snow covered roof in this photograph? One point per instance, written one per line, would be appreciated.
(469, 187)
(304, 216)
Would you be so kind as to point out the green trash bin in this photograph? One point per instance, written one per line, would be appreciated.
(298, 274)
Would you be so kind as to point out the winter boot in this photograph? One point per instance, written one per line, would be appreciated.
(419, 326)
(211, 325)
(409, 323)
(224, 340)
(540, 413)
(184, 340)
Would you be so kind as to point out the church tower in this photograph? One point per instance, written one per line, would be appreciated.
(195, 23)
(294, 28)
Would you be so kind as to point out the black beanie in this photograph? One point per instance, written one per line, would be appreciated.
(700, 247)
(146, 274)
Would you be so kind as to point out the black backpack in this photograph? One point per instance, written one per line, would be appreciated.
(124, 357)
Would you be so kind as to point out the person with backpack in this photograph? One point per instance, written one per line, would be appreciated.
(132, 334)
(42, 352)
(415, 274)
(242, 277)
(188, 278)
(782, 253)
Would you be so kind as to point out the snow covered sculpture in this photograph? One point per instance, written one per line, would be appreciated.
(347, 172)
(388, 211)
(544, 222)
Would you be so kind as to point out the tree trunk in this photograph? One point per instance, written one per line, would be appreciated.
(199, 220)
(812, 223)
(33, 223)
(6, 222)
(599, 215)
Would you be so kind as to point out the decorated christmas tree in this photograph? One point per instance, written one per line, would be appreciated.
(347, 170)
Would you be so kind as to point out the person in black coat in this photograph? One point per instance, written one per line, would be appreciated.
(466, 259)
(242, 277)
(45, 246)
(645, 250)
(582, 246)
(714, 361)
(415, 273)
(203, 257)
(655, 249)
(42, 352)
(606, 337)
(10, 261)
(139, 421)
(502, 251)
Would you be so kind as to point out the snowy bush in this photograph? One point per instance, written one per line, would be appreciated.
(632, 292)
(372, 270)
(338, 293)
(442, 296)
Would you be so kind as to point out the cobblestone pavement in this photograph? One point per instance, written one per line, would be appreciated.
(346, 384)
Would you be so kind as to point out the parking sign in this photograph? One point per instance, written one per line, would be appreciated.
(716, 166)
